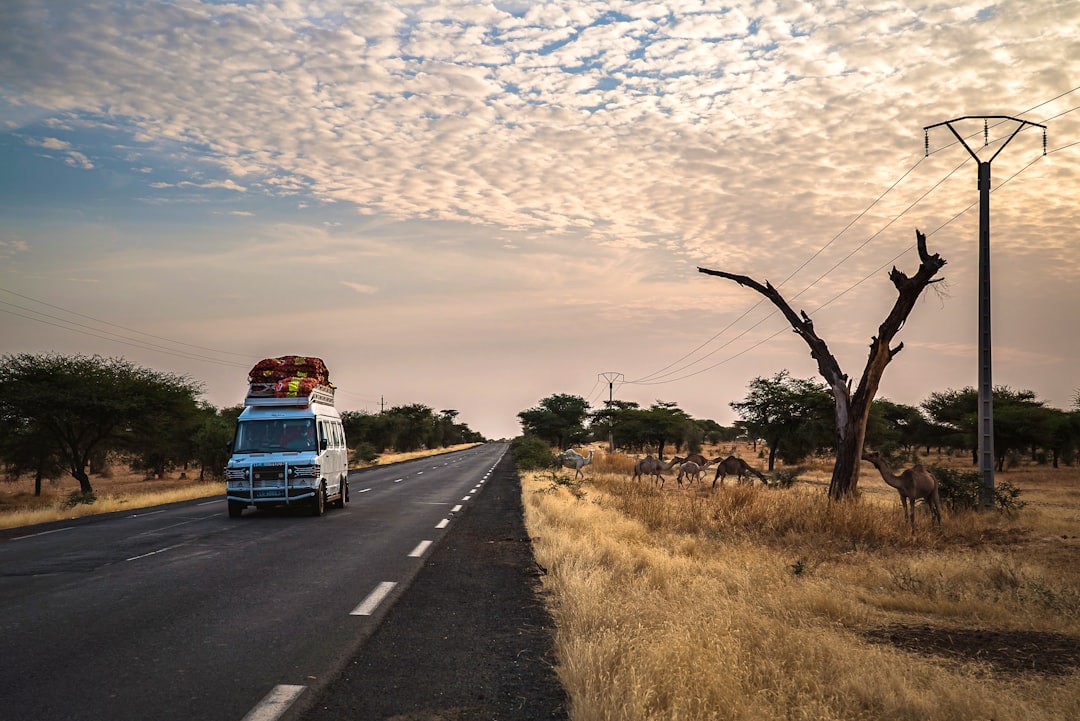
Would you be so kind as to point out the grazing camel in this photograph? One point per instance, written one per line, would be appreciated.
(913, 484)
(692, 470)
(649, 466)
(732, 466)
(572, 459)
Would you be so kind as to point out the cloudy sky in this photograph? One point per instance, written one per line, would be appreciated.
(476, 205)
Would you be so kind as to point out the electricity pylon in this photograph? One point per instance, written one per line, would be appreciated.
(986, 388)
(611, 377)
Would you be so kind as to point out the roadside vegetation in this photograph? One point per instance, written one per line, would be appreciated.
(775, 603)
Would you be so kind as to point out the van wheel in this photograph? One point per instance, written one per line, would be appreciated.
(343, 497)
(318, 502)
(236, 509)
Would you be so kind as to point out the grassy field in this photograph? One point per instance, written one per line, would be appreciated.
(762, 603)
(119, 489)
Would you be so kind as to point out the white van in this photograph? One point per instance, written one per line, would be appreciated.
(288, 452)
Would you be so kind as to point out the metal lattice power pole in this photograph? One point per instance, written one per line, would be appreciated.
(611, 377)
(986, 388)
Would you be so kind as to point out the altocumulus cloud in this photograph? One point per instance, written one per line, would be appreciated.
(629, 124)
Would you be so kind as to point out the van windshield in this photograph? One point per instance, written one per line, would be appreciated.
(275, 435)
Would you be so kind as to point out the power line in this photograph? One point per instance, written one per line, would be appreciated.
(105, 322)
(657, 377)
(843, 292)
(119, 339)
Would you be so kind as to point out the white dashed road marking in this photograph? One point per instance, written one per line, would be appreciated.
(275, 703)
(420, 548)
(369, 604)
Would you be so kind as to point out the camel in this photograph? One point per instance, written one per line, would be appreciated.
(572, 459)
(913, 484)
(736, 467)
(649, 466)
(692, 470)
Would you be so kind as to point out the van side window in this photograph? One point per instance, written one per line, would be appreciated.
(339, 431)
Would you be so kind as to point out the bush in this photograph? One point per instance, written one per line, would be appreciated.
(531, 453)
(76, 498)
(563, 480)
(960, 490)
(365, 453)
(784, 477)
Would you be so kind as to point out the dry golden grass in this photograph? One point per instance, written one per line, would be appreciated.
(121, 490)
(753, 603)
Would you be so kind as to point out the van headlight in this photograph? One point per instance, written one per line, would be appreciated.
(311, 471)
(236, 474)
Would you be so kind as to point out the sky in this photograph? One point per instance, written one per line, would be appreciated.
(477, 205)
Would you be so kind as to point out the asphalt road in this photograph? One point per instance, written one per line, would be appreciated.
(180, 612)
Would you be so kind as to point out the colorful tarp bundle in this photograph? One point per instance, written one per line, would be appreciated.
(287, 376)
(294, 387)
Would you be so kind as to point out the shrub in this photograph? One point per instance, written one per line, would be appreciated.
(531, 453)
(784, 477)
(563, 480)
(365, 453)
(960, 490)
(76, 498)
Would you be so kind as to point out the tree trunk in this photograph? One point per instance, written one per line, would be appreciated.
(78, 472)
(853, 409)
(83, 479)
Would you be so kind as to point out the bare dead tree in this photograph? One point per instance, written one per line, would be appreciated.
(853, 409)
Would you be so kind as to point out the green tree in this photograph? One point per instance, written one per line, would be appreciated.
(1021, 422)
(79, 405)
(212, 437)
(619, 418)
(29, 450)
(895, 426)
(414, 426)
(559, 420)
(792, 415)
(665, 423)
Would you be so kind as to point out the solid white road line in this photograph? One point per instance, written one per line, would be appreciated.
(369, 604)
(275, 703)
(420, 548)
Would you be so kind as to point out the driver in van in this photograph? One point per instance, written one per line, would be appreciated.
(302, 439)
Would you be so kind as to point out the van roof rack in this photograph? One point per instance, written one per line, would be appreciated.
(323, 395)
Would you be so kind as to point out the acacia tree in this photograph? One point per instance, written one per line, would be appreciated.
(81, 405)
(28, 450)
(790, 414)
(853, 408)
(1021, 422)
(559, 420)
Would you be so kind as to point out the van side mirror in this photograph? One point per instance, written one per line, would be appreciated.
(228, 447)
(324, 444)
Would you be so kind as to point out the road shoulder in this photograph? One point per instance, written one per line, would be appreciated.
(471, 638)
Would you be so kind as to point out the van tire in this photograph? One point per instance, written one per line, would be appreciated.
(318, 501)
(236, 509)
(343, 493)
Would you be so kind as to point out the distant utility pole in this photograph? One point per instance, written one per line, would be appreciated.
(611, 377)
(986, 388)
